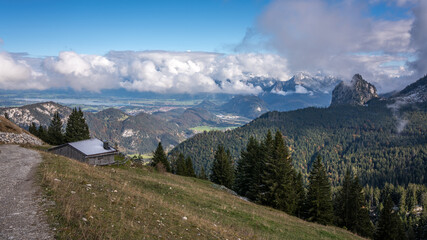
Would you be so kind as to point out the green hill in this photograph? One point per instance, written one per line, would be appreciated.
(365, 137)
(86, 202)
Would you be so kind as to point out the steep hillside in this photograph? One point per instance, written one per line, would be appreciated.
(193, 117)
(39, 113)
(383, 143)
(415, 92)
(11, 133)
(248, 106)
(133, 134)
(86, 202)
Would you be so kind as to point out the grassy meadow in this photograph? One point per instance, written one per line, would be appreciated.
(137, 202)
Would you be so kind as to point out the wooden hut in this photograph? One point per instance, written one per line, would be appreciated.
(92, 151)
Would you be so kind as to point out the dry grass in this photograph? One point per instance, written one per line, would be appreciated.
(139, 203)
(8, 126)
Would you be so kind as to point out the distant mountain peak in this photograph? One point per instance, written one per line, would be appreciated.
(357, 92)
(305, 83)
(415, 92)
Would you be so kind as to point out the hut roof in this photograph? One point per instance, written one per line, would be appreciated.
(89, 147)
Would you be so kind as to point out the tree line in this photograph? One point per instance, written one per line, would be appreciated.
(75, 130)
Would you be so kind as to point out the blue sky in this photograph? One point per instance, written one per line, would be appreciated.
(143, 45)
(44, 27)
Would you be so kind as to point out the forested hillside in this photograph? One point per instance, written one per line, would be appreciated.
(383, 143)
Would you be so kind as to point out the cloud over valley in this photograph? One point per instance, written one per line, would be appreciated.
(332, 37)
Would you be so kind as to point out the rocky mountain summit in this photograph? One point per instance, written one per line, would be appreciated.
(357, 92)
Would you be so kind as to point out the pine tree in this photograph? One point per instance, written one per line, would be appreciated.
(245, 179)
(351, 209)
(6, 115)
(266, 154)
(180, 165)
(278, 178)
(159, 156)
(33, 129)
(300, 195)
(389, 225)
(77, 128)
(222, 169)
(255, 169)
(344, 203)
(319, 203)
(202, 174)
(189, 169)
(42, 134)
(363, 225)
(54, 132)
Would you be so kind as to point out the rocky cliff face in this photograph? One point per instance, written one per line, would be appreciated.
(357, 92)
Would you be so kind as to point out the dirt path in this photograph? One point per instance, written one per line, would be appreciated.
(20, 214)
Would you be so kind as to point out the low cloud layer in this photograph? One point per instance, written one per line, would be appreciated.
(155, 71)
(332, 37)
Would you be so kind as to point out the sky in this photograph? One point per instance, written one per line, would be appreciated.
(191, 45)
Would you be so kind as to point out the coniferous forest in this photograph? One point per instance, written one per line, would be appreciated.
(345, 166)
(365, 137)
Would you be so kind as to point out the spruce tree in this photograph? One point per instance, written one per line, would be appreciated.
(300, 195)
(42, 134)
(54, 132)
(245, 172)
(389, 225)
(180, 165)
(351, 209)
(344, 203)
(33, 129)
(363, 225)
(255, 169)
(189, 169)
(319, 203)
(77, 128)
(278, 178)
(222, 169)
(159, 156)
(266, 154)
(202, 174)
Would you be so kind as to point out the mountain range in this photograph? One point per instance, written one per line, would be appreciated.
(383, 139)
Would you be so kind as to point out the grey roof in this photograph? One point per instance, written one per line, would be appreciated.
(91, 147)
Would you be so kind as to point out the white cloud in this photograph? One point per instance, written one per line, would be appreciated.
(419, 39)
(17, 74)
(156, 71)
(337, 37)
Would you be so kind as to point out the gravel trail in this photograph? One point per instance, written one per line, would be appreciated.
(20, 214)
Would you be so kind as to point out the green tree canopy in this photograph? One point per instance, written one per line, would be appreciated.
(159, 156)
(222, 169)
(390, 226)
(77, 128)
(54, 132)
(319, 202)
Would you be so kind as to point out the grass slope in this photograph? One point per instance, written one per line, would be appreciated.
(138, 203)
